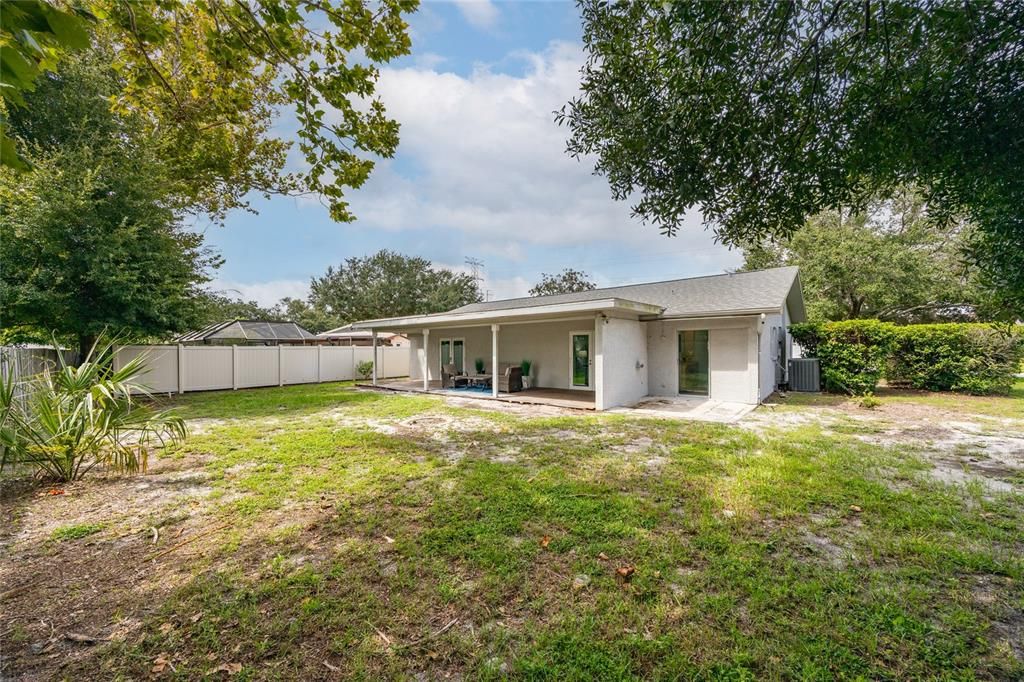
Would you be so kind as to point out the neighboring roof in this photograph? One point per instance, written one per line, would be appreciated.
(738, 293)
(248, 330)
(347, 332)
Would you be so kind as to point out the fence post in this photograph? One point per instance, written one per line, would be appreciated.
(280, 367)
(181, 368)
(234, 367)
(319, 362)
(373, 332)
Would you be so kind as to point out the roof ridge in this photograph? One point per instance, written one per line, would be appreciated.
(635, 284)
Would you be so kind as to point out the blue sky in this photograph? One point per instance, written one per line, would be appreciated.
(480, 172)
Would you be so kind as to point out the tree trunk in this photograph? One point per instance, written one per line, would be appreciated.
(856, 305)
(85, 344)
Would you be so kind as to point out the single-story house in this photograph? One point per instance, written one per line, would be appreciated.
(723, 337)
(248, 333)
(347, 336)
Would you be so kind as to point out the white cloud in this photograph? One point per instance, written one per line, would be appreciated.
(510, 287)
(429, 61)
(479, 13)
(264, 293)
(481, 157)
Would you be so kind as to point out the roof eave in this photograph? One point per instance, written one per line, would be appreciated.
(744, 312)
(512, 314)
(795, 300)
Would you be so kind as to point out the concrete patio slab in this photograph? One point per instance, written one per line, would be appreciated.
(683, 407)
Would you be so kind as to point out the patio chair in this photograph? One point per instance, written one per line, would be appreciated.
(510, 379)
(450, 377)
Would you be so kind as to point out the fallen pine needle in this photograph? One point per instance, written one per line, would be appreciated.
(433, 635)
(332, 668)
(387, 640)
(189, 540)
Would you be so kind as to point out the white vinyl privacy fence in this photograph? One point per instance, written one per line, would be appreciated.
(176, 369)
(20, 364)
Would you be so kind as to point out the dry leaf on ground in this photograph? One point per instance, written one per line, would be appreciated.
(229, 668)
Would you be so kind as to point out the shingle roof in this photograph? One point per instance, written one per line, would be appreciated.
(250, 330)
(730, 293)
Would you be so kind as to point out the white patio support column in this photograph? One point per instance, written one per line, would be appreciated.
(597, 357)
(494, 359)
(425, 365)
(373, 334)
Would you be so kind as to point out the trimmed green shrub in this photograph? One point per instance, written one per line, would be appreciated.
(972, 358)
(852, 353)
(855, 354)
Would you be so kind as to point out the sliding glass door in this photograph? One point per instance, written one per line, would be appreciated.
(693, 362)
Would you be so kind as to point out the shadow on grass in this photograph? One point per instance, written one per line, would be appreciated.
(285, 401)
(435, 567)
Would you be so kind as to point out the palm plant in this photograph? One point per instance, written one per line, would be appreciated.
(71, 419)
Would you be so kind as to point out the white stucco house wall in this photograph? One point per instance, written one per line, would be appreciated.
(723, 337)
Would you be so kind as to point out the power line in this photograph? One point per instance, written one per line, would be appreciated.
(475, 265)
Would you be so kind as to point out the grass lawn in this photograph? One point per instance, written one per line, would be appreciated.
(325, 532)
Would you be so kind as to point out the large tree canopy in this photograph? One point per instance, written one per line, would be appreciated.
(888, 262)
(90, 239)
(214, 77)
(34, 34)
(388, 284)
(765, 113)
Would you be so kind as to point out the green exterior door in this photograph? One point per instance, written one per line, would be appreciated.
(693, 362)
(453, 353)
(580, 348)
(446, 352)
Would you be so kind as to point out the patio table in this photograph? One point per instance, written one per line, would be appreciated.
(479, 379)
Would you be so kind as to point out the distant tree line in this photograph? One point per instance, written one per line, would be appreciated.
(385, 284)
(568, 281)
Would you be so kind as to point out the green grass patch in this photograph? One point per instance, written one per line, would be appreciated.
(487, 547)
(76, 531)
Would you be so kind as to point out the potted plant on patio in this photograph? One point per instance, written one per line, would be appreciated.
(479, 362)
(526, 366)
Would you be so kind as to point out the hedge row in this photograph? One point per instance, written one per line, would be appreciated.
(855, 354)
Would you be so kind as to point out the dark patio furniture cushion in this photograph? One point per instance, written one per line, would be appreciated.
(511, 379)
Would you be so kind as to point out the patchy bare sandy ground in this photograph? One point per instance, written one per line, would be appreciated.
(170, 504)
(962, 447)
(104, 568)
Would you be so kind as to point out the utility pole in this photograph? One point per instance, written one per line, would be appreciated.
(475, 265)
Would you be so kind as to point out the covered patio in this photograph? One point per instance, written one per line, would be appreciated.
(555, 397)
(582, 355)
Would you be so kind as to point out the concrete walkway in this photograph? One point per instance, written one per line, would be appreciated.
(682, 407)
